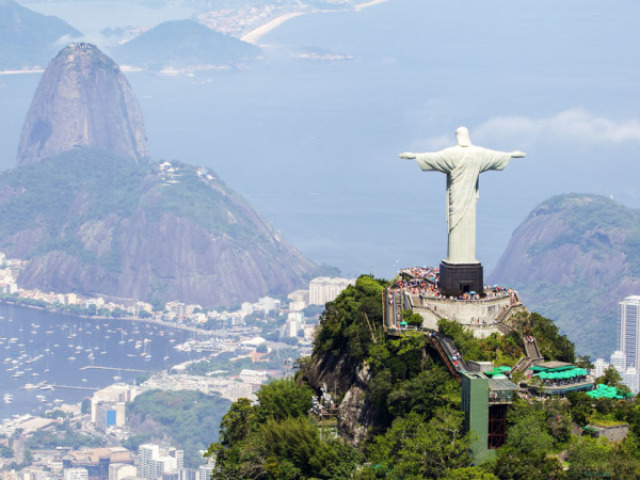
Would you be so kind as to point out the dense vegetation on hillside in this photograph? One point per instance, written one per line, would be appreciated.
(89, 222)
(573, 259)
(416, 428)
(186, 417)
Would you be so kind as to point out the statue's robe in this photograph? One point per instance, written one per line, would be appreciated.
(463, 166)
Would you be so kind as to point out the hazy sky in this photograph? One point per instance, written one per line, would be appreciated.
(314, 144)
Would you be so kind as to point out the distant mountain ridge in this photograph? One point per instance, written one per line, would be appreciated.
(28, 38)
(184, 43)
(573, 259)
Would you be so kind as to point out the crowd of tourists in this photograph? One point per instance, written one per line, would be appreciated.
(424, 281)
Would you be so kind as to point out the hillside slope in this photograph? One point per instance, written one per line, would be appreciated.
(94, 223)
(573, 259)
(181, 44)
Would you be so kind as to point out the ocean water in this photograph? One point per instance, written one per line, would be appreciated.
(313, 144)
(47, 358)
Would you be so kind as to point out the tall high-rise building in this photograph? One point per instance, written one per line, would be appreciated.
(326, 289)
(155, 461)
(628, 331)
(204, 472)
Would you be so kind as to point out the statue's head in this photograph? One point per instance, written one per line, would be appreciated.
(462, 135)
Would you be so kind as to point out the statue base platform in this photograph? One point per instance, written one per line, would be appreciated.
(459, 278)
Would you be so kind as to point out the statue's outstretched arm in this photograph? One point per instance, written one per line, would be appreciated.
(408, 155)
(518, 154)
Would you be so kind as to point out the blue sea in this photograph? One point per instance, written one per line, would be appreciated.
(313, 144)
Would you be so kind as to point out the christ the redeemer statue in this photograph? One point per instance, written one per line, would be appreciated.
(463, 165)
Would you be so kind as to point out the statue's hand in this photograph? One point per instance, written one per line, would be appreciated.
(407, 155)
(518, 154)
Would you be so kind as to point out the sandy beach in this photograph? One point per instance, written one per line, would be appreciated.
(21, 72)
(254, 35)
(362, 6)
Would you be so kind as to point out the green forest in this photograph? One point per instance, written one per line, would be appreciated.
(412, 411)
(186, 418)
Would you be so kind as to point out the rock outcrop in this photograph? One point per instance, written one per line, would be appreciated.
(333, 374)
(573, 259)
(82, 100)
(93, 215)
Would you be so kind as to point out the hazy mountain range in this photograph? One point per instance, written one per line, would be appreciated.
(29, 39)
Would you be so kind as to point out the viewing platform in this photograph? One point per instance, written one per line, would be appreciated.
(481, 312)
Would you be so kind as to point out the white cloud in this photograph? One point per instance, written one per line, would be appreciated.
(574, 125)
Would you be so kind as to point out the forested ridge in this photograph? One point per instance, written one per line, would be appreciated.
(412, 410)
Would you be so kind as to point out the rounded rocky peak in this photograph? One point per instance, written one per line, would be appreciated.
(82, 100)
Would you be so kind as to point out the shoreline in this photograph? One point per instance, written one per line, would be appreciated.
(21, 72)
(372, 3)
(199, 331)
(254, 35)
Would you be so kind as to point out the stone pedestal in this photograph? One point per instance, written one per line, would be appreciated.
(459, 278)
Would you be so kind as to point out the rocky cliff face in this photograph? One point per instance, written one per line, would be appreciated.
(340, 374)
(573, 259)
(82, 100)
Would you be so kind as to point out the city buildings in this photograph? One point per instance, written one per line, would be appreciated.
(599, 366)
(326, 289)
(154, 461)
(111, 397)
(628, 331)
(627, 358)
(95, 461)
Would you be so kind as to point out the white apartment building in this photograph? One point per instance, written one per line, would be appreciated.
(290, 329)
(267, 304)
(204, 472)
(599, 366)
(76, 474)
(153, 461)
(628, 331)
(118, 392)
(326, 289)
(119, 471)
